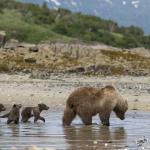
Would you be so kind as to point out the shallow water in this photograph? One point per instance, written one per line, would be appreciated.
(120, 135)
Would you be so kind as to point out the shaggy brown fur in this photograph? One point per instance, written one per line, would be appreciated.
(2, 108)
(29, 112)
(87, 102)
(13, 115)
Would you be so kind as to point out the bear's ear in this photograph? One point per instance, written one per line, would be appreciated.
(39, 105)
(19, 105)
(14, 105)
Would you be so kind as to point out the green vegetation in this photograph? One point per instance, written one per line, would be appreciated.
(33, 23)
(117, 55)
(135, 61)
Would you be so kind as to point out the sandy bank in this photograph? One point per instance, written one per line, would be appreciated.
(54, 92)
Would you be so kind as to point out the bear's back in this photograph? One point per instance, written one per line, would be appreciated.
(84, 94)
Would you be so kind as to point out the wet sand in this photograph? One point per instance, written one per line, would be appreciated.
(131, 134)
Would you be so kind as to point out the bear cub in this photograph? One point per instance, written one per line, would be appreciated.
(13, 115)
(29, 112)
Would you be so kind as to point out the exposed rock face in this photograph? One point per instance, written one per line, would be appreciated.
(73, 58)
(12, 44)
(73, 50)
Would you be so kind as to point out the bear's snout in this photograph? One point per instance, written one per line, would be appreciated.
(47, 108)
(122, 118)
(3, 109)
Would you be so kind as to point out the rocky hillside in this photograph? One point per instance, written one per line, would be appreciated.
(36, 23)
(42, 59)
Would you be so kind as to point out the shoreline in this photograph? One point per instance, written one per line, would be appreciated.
(55, 91)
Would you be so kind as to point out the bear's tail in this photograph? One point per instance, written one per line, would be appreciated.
(70, 104)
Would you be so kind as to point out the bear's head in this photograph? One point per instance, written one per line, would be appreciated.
(43, 107)
(121, 104)
(18, 106)
(121, 108)
(2, 108)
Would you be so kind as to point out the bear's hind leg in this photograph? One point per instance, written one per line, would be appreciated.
(24, 120)
(87, 120)
(85, 116)
(9, 121)
(69, 115)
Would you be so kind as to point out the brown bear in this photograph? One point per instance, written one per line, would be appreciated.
(88, 101)
(2, 108)
(29, 112)
(13, 115)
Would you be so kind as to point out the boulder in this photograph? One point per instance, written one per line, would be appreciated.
(90, 68)
(78, 69)
(26, 45)
(34, 49)
(40, 75)
(12, 44)
(103, 69)
(30, 59)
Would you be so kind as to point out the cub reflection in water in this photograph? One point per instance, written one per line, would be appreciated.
(95, 137)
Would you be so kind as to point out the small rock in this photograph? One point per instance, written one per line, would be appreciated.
(95, 142)
(141, 141)
(44, 75)
(36, 148)
(34, 49)
(136, 100)
(29, 59)
(13, 148)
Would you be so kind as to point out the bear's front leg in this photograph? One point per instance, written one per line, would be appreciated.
(35, 119)
(104, 117)
(42, 118)
(16, 121)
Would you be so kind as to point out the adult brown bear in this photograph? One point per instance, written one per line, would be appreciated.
(88, 101)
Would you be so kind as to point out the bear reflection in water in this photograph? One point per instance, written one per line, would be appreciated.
(95, 137)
